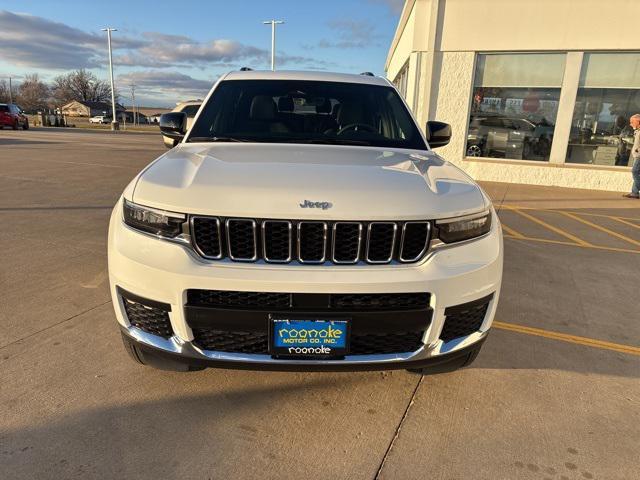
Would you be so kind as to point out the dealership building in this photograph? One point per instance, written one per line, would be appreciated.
(537, 91)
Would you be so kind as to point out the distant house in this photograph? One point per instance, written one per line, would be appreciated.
(155, 117)
(153, 113)
(79, 108)
(129, 116)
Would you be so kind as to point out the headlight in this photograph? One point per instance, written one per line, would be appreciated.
(454, 230)
(151, 220)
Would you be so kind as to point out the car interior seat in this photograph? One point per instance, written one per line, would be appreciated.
(263, 115)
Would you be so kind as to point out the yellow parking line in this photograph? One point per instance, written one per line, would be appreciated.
(601, 215)
(557, 230)
(602, 229)
(586, 341)
(511, 231)
(545, 240)
(622, 220)
(571, 244)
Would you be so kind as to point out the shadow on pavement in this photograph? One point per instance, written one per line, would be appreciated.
(164, 438)
(514, 351)
(20, 141)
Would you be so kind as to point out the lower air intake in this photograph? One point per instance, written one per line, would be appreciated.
(148, 316)
(465, 319)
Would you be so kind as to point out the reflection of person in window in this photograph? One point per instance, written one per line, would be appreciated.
(623, 133)
(634, 121)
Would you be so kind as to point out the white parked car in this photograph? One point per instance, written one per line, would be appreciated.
(101, 119)
(190, 109)
(304, 222)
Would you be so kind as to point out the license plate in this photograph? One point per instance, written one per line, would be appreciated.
(309, 338)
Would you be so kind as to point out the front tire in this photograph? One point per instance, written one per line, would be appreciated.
(141, 357)
(474, 151)
(453, 365)
(25, 126)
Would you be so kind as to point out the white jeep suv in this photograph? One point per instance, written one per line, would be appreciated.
(303, 222)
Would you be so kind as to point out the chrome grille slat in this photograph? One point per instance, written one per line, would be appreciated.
(238, 236)
(386, 259)
(266, 244)
(302, 245)
(214, 238)
(310, 241)
(404, 240)
(334, 258)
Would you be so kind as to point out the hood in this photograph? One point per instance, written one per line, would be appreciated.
(274, 180)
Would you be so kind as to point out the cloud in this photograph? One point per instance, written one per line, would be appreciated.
(394, 5)
(162, 50)
(31, 41)
(163, 83)
(350, 34)
(27, 40)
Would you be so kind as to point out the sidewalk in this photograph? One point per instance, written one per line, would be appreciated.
(534, 196)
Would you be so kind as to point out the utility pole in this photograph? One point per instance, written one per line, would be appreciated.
(114, 121)
(133, 101)
(273, 24)
(10, 93)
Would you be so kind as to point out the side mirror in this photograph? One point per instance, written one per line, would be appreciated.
(438, 133)
(173, 125)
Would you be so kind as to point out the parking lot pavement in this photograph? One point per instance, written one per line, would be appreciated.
(553, 395)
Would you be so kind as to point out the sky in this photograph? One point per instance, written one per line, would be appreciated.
(176, 53)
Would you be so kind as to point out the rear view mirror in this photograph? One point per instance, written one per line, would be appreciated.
(438, 133)
(173, 125)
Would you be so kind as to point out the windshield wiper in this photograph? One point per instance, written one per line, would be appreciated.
(218, 139)
(337, 141)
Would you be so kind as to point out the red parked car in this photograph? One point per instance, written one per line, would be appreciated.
(12, 116)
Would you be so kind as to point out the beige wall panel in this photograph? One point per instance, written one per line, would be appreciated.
(453, 98)
(404, 48)
(540, 25)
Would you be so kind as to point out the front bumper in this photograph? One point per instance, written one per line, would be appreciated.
(159, 351)
(163, 272)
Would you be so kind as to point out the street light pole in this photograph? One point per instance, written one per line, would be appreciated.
(273, 24)
(114, 121)
(133, 101)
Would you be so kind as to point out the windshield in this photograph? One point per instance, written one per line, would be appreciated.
(290, 111)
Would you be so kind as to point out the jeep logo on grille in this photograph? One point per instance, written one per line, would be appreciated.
(310, 204)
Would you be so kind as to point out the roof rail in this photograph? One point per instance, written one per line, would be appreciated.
(246, 69)
(368, 74)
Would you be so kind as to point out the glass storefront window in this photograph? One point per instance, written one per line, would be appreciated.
(608, 94)
(401, 80)
(515, 104)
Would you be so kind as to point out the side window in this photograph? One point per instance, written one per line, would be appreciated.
(398, 124)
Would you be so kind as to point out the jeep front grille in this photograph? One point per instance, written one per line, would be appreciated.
(310, 241)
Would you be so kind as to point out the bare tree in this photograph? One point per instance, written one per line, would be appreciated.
(80, 85)
(33, 93)
(4, 91)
